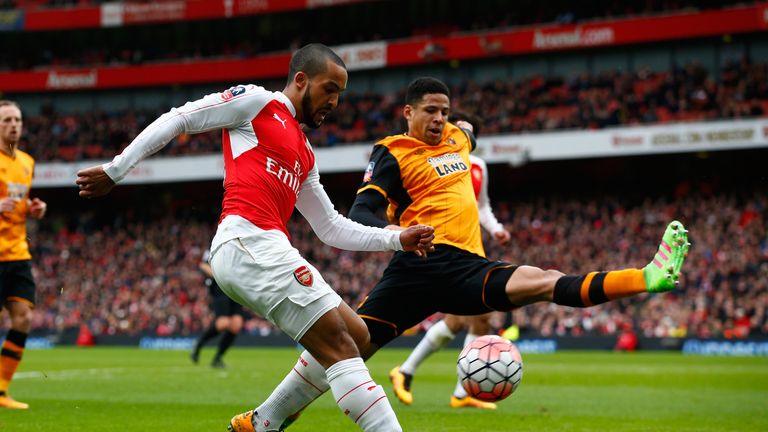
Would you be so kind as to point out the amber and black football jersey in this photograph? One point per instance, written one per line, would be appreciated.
(15, 181)
(428, 184)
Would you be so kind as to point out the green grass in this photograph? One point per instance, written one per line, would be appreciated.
(111, 389)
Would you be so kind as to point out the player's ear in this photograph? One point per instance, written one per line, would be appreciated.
(407, 112)
(301, 80)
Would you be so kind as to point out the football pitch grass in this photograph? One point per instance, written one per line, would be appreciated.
(126, 389)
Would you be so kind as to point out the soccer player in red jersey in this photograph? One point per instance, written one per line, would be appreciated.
(270, 169)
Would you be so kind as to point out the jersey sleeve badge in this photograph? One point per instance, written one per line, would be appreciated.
(369, 172)
(232, 93)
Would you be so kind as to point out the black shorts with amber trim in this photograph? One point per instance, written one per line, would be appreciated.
(449, 280)
(16, 283)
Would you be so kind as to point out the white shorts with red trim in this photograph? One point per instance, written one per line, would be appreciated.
(263, 272)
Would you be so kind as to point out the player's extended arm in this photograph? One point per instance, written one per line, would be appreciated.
(364, 209)
(209, 113)
(487, 219)
(336, 230)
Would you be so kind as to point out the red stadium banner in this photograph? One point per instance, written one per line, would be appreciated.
(408, 52)
(56, 19)
(579, 36)
(273, 65)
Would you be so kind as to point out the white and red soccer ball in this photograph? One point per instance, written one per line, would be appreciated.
(490, 368)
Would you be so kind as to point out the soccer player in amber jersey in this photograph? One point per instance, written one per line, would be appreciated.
(17, 288)
(423, 177)
(270, 169)
(445, 330)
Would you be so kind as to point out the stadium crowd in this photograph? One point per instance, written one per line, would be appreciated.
(142, 277)
(586, 101)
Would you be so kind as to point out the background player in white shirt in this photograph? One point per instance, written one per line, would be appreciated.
(270, 169)
(445, 330)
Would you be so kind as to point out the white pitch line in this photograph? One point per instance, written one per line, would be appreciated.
(104, 373)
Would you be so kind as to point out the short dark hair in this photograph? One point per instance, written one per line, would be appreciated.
(472, 119)
(312, 60)
(422, 86)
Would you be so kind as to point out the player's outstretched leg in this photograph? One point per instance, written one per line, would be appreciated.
(663, 272)
(660, 275)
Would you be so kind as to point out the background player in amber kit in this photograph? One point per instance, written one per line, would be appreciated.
(17, 288)
(228, 318)
(423, 177)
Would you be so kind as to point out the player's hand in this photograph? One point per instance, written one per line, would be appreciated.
(7, 204)
(463, 124)
(94, 182)
(502, 237)
(418, 239)
(37, 208)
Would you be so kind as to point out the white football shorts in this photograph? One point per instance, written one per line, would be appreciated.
(263, 272)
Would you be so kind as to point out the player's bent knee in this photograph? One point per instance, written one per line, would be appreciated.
(21, 316)
(338, 348)
(356, 327)
(329, 341)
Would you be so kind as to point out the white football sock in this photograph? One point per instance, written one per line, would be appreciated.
(459, 391)
(303, 384)
(360, 398)
(436, 337)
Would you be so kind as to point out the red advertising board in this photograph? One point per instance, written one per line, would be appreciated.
(550, 38)
(274, 65)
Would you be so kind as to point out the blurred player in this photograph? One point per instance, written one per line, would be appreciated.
(423, 177)
(270, 169)
(445, 330)
(228, 318)
(17, 287)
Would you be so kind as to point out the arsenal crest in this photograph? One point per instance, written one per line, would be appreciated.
(303, 276)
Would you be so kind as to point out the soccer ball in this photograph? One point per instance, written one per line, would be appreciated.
(490, 368)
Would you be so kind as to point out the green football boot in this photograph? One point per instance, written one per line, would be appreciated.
(663, 273)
